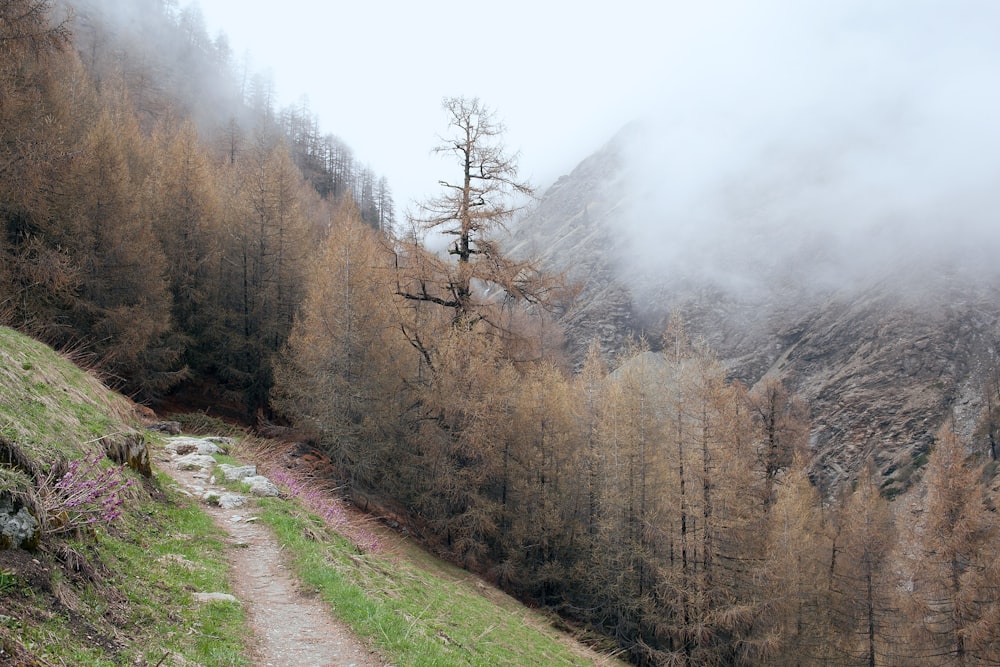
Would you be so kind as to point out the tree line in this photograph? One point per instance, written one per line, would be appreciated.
(647, 496)
(160, 249)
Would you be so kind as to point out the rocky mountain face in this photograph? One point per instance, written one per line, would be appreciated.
(883, 361)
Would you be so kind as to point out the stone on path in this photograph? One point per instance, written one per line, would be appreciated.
(182, 445)
(226, 501)
(194, 462)
(236, 473)
(262, 487)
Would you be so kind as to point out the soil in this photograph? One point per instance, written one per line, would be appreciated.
(290, 627)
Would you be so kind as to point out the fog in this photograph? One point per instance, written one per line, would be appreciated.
(821, 143)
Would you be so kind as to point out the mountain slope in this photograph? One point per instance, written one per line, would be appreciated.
(883, 356)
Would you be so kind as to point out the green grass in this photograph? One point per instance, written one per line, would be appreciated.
(48, 406)
(8, 581)
(415, 615)
(142, 608)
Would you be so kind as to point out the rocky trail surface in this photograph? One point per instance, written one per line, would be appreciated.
(289, 626)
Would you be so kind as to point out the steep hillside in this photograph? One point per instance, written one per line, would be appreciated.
(98, 587)
(883, 359)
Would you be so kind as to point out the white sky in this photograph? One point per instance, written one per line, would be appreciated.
(830, 123)
(563, 76)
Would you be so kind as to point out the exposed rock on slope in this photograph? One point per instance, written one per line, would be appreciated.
(882, 360)
(572, 231)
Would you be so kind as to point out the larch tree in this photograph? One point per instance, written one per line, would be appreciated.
(783, 419)
(863, 582)
(460, 426)
(338, 376)
(123, 305)
(472, 209)
(186, 214)
(590, 387)
(796, 631)
(955, 576)
(542, 501)
(260, 282)
(37, 277)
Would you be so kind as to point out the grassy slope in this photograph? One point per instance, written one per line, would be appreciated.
(122, 594)
(117, 594)
(416, 609)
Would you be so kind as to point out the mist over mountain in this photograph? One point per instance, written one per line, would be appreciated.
(815, 196)
(822, 146)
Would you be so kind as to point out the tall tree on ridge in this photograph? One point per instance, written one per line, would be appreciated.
(470, 209)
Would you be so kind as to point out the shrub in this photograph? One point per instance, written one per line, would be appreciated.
(84, 495)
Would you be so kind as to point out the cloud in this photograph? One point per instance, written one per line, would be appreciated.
(821, 142)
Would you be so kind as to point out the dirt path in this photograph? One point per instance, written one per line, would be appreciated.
(289, 627)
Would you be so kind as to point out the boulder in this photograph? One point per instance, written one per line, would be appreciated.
(182, 445)
(224, 499)
(262, 487)
(131, 450)
(236, 473)
(225, 444)
(168, 427)
(195, 462)
(18, 528)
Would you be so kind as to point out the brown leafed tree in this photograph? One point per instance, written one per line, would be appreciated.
(955, 582)
(863, 581)
(796, 577)
(470, 211)
(783, 419)
(186, 213)
(338, 377)
(123, 305)
(36, 276)
(260, 272)
(542, 502)
(461, 423)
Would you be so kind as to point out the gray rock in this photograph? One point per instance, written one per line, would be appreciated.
(225, 500)
(236, 473)
(168, 427)
(224, 443)
(18, 528)
(194, 462)
(129, 449)
(229, 501)
(182, 445)
(262, 487)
